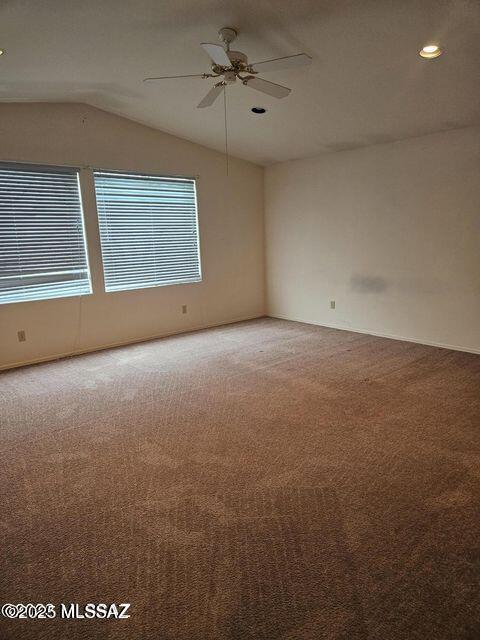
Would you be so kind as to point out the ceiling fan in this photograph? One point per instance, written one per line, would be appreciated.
(233, 65)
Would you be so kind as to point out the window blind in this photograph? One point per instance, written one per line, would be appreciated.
(148, 230)
(42, 240)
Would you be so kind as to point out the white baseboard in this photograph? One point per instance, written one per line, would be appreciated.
(124, 343)
(390, 336)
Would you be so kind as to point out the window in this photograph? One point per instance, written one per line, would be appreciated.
(42, 240)
(148, 230)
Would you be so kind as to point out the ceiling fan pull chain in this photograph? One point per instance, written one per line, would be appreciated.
(225, 119)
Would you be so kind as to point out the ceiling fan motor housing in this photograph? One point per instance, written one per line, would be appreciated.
(239, 63)
(237, 56)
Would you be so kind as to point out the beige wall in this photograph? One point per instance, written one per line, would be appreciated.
(230, 221)
(390, 232)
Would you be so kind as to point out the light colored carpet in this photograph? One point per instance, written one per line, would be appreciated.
(265, 480)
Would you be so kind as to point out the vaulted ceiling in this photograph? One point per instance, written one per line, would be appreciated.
(366, 84)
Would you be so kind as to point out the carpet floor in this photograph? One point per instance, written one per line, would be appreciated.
(265, 480)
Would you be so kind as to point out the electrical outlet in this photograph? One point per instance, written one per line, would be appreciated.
(332, 304)
(21, 336)
(184, 308)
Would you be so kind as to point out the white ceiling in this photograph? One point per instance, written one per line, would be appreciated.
(366, 84)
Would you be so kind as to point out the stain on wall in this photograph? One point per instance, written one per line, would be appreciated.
(368, 284)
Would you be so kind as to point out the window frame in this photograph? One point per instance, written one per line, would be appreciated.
(67, 169)
(142, 174)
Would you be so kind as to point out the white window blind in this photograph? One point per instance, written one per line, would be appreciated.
(42, 240)
(148, 230)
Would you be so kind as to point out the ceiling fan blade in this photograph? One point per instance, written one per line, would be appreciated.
(270, 88)
(192, 75)
(286, 62)
(211, 96)
(217, 53)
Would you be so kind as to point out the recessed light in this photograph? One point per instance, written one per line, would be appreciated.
(258, 110)
(2, 51)
(430, 51)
